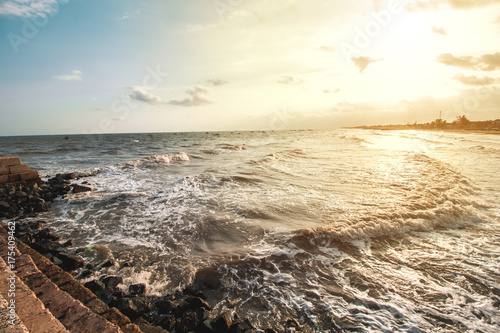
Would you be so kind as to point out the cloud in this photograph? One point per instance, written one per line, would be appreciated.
(439, 31)
(327, 49)
(486, 62)
(454, 4)
(215, 82)
(290, 80)
(30, 8)
(197, 97)
(142, 95)
(363, 62)
(476, 81)
(75, 75)
(326, 91)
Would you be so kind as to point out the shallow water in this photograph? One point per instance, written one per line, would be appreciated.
(369, 231)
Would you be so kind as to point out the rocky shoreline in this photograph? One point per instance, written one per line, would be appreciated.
(184, 311)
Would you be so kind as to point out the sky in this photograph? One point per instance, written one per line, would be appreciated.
(129, 66)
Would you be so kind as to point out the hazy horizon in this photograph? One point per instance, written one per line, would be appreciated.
(90, 67)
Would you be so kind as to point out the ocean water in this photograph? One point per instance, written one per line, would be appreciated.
(354, 230)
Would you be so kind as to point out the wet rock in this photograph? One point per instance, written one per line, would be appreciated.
(111, 281)
(68, 176)
(222, 323)
(241, 326)
(195, 303)
(166, 321)
(57, 261)
(86, 273)
(95, 286)
(108, 263)
(80, 188)
(71, 261)
(68, 243)
(138, 289)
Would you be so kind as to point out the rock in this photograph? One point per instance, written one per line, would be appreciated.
(80, 188)
(195, 303)
(166, 321)
(68, 243)
(111, 281)
(4, 206)
(95, 286)
(138, 289)
(71, 261)
(240, 327)
(57, 261)
(86, 273)
(108, 263)
(222, 323)
(127, 307)
(68, 176)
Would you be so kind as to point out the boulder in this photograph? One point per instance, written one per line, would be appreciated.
(138, 289)
(80, 188)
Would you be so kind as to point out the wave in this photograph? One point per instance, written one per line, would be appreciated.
(439, 198)
(156, 160)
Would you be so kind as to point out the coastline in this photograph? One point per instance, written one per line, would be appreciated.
(413, 128)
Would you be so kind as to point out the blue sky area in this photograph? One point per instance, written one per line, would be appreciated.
(89, 66)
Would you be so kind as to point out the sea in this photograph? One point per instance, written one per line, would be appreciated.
(341, 230)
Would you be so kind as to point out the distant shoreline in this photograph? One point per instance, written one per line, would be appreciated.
(416, 128)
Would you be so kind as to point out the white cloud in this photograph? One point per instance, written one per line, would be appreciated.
(476, 81)
(363, 62)
(215, 82)
(290, 80)
(327, 48)
(454, 4)
(30, 8)
(142, 95)
(197, 97)
(485, 62)
(439, 31)
(75, 75)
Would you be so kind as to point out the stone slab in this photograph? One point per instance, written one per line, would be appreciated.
(7, 161)
(4, 170)
(14, 178)
(28, 175)
(18, 168)
(4, 179)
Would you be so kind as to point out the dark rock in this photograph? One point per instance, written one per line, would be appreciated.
(166, 321)
(89, 266)
(111, 281)
(204, 327)
(80, 188)
(57, 261)
(138, 289)
(68, 176)
(126, 264)
(86, 273)
(68, 243)
(195, 303)
(127, 307)
(95, 286)
(222, 323)
(4, 206)
(270, 330)
(241, 327)
(71, 261)
(165, 306)
(108, 263)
